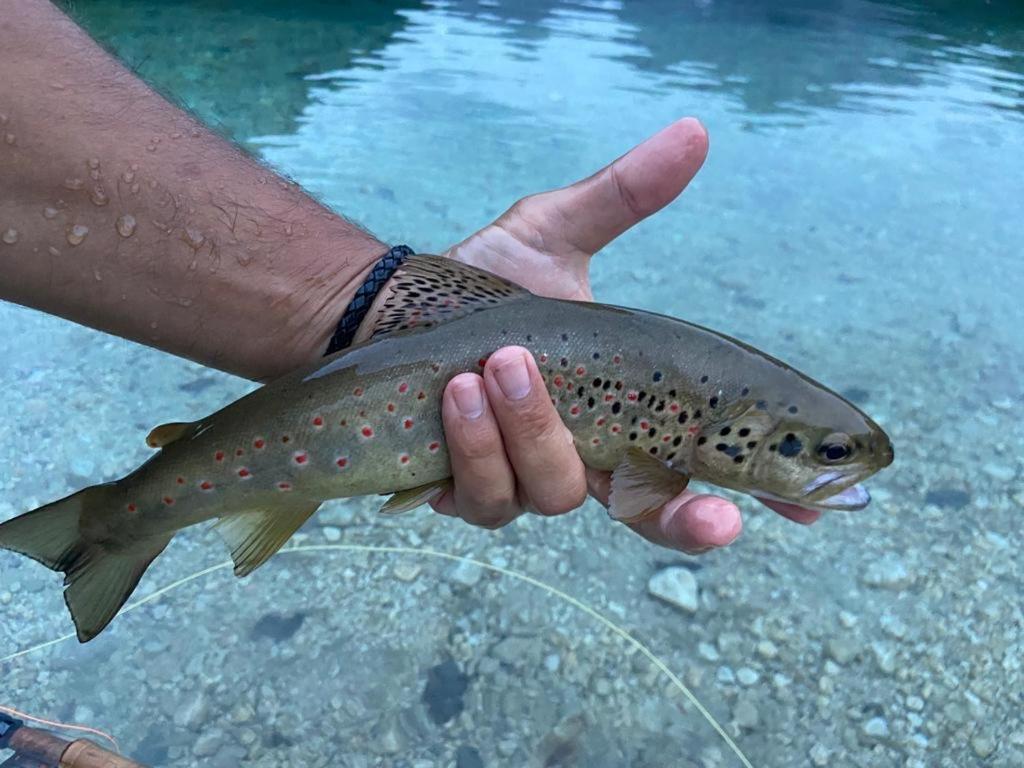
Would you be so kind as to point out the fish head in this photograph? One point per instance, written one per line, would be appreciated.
(814, 455)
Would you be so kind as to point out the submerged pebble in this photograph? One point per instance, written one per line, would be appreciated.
(10, 236)
(677, 587)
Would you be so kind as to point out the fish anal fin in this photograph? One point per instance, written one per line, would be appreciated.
(641, 484)
(430, 290)
(408, 500)
(165, 434)
(255, 535)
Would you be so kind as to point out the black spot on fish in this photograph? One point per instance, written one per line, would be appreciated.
(596, 383)
(704, 379)
(793, 409)
(745, 391)
(682, 417)
(596, 355)
(701, 440)
(660, 407)
(580, 390)
(590, 402)
(752, 444)
(772, 447)
(722, 447)
(657, 376)
(678, 440)
(632, 435)
(744, 432)
(654, 450)
(641, 395)
(565, 362)
(529, 337)
(651, 399)
(697, 414)
(713, 402)
(607, 384)
(761, 405)
(616, 406)
(671, 456)
(791, 446)
(724, 431)
(671, 393)
(652, 432)
(565, 337)
(737, 459)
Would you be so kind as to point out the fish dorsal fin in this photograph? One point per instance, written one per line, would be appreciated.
(166, 434)
(429, 290)
(641, 484)
(254, 536)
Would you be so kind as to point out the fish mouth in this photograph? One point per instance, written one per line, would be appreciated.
(835, 490)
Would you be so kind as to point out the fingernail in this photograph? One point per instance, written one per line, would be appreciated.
(469, 398)
(514, 378)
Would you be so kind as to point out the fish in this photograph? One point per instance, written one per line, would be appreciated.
(655, 400)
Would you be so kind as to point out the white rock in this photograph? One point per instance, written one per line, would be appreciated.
(466, 574)
(676, 586)
(332, 533)
(876, 728)
(887, 573)
(747, 676)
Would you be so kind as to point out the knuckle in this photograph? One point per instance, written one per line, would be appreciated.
(565, 499)
(537, 421)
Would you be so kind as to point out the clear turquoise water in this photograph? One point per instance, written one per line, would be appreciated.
(859, 215)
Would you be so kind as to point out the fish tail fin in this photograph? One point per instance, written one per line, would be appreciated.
(99, 577)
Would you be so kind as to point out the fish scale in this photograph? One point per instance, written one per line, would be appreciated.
(652, 399)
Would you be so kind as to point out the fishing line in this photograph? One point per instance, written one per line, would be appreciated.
(525, 578)
(60, 725)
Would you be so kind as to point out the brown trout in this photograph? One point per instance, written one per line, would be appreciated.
(655, 400)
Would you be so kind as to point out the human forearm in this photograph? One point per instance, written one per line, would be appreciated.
(126, 214)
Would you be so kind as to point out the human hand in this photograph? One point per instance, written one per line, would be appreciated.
(509, 450)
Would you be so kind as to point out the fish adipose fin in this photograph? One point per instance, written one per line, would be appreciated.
(166, 434)
(406, 501)
(430, 290)
(254, 536)
(98, 577)
(641, 484)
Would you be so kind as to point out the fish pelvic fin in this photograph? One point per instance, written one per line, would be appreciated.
(406, 501)
(255, 535)
(165, 434)
(641, 484)
(98, 577)
(430, 290)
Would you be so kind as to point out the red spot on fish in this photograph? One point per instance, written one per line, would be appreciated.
(600, 422)
(244, 473)
(344, 422)
(180, 480)
(581, 371)
(434, 446)
(367, 431)
(435, 367)
(403, 388)
(645, 424)
(284, 486)
(543, 358)
(318, 421)
(407, 423)
(342, 462)
(168, 501)
(391, 407)
(631, 395)
(421, 395)
(218, 456)
(674, 407)
(558, 382)
(596, 441)
(362, 414)
(300, 457)
(616, 359)
(616, 428)
(132, 508)
(285, 439)
(575, 410)
(239, 452)
(666, 438)
(609, 398)
(358, 391)
(404, 458)
(693, 430)
(258, 443)
(206, 485)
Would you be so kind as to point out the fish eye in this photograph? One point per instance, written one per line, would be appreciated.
(835, 447)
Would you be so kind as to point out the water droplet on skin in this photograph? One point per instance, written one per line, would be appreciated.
(128, 177)
(10, 236)
(3, 119)
(50, 212)
(135, 167)
(194, 238)
(57, 86)
(99, 196)
(95, 175)
(77, 234)
(73, 183)
(53, 251)
(135, 188)
(288, 230)
(94, 163)
(126, 225)
(97, 275)
(151, 148)
(10, 139)
(176, 135)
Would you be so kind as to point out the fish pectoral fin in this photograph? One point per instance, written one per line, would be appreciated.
(641, 484)
(408, 500)
(166, 434)
(254, 536)
(430, 290)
